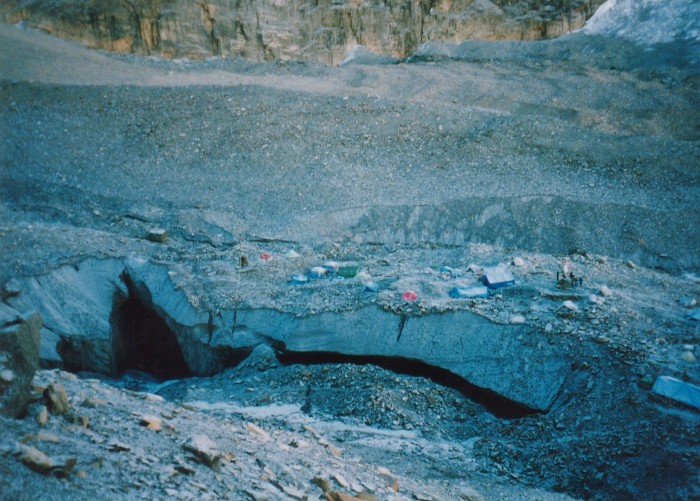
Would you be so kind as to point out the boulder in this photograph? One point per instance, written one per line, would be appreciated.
(35, 459)
(19, 358)
(56, 398)
(204, 449)
(158, 235)
(151, 422)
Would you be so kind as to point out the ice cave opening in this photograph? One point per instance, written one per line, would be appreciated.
(145, 343)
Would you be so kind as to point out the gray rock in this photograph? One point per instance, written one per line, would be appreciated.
(204, 449)
(688, 356)
(646, 381)
(115, 445)
(570, 305)
(158, 235)
(42, 416)
(151, 422)
(56, 398)
(19, 358)
(35, 459)
(519, 262)
(261, 358)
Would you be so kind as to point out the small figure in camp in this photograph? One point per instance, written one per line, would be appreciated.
(563, 273)
(566, 277)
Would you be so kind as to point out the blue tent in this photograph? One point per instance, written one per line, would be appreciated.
(676, 389)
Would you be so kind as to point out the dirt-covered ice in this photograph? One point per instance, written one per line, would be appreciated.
(516, 154)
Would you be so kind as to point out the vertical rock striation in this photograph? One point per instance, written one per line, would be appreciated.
(320, 30)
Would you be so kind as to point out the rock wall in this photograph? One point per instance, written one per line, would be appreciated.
(312, 30)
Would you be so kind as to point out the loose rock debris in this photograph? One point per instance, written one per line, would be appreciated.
(233, 457)
(390, 436)
(336, 413)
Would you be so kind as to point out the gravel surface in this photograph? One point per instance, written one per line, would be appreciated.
(449, 152)
(534, 151)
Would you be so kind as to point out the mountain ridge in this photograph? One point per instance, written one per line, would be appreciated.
(321, 31)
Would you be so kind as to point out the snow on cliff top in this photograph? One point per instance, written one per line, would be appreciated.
(647, 22)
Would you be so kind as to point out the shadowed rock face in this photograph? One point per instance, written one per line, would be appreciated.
(295, 29)
(76, 303)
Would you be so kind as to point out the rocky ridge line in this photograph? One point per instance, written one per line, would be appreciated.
(294, 30)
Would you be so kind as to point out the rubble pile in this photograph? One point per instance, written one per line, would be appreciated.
(116, 443)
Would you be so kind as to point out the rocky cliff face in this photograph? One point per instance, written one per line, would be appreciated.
(312, 30)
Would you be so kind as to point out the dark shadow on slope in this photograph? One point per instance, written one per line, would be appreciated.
(497, 405)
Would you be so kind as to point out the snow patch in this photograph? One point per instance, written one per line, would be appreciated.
(359, 54)
(251, 412)
(647, 22)
(338, 426)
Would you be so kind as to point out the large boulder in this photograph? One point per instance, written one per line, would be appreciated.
(19, 358)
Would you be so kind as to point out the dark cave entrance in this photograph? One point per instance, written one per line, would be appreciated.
(145, 343)
(494, 403)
